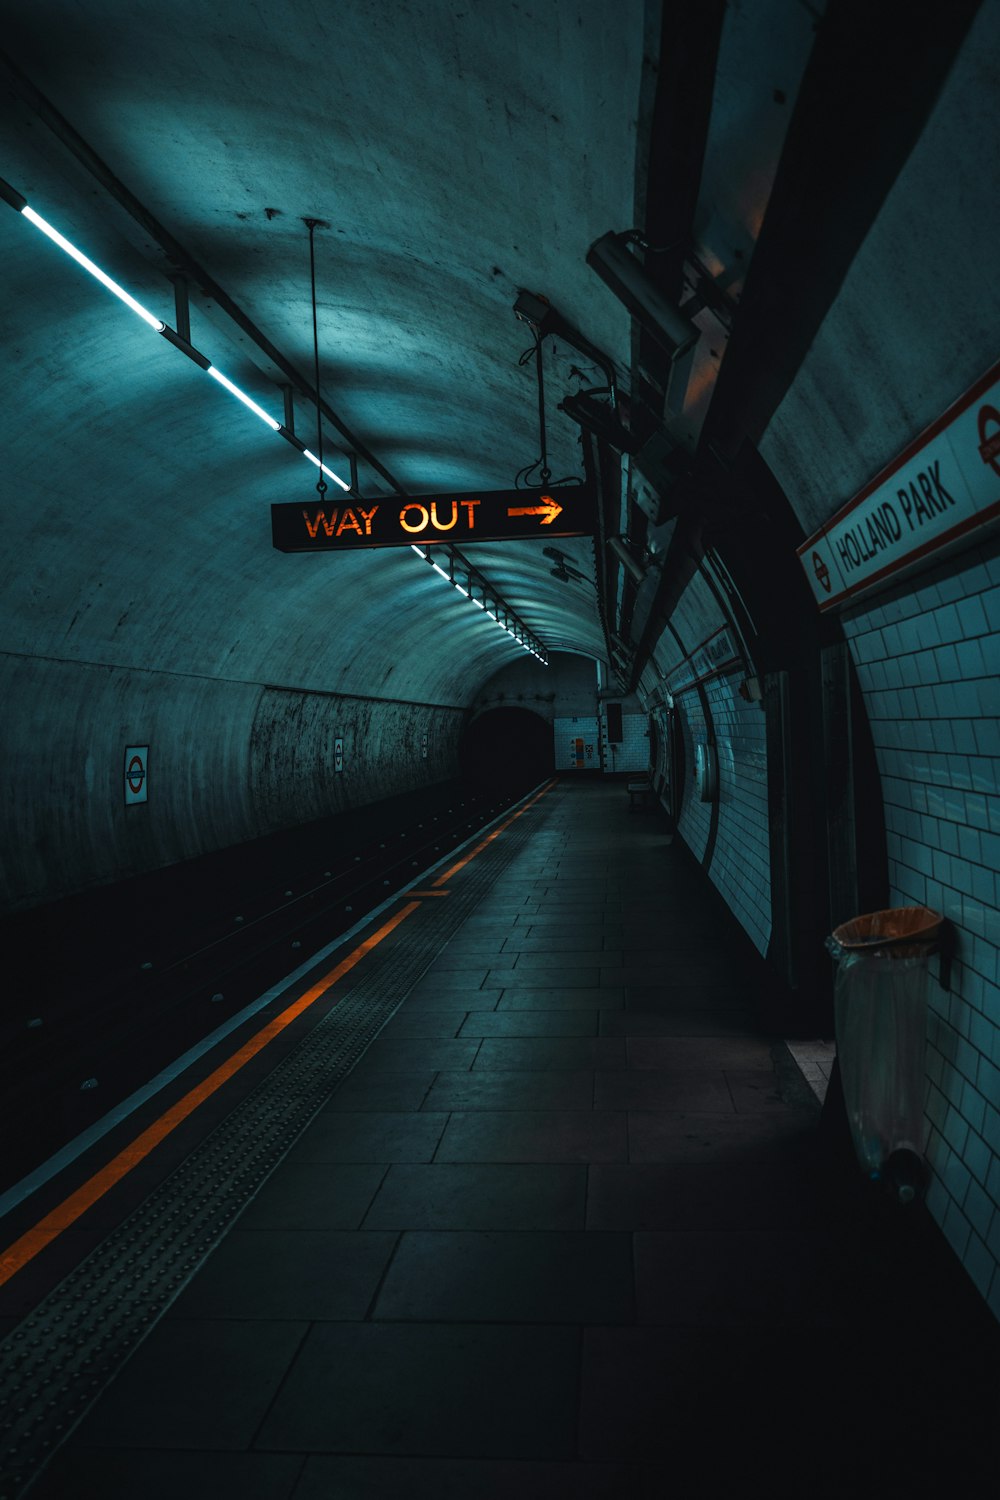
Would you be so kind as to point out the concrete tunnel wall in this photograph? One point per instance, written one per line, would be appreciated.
(228, 762)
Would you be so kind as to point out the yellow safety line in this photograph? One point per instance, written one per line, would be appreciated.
(48, 1228)
(17, 1255)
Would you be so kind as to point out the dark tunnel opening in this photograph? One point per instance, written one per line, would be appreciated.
(507, 748)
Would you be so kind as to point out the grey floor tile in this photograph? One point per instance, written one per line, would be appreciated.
(475, 1479)
(565, 978)
(497, 1277)
(433, 998)
(449, 1391)
(515, 1023)
(662, 1136)
(313, 1195)
(449, 1196)
(451, 981)
(545, 1054)
(159, 1474)
(290, 1274)
(710, 1195)
(641, 1088)
(470, 956)
(703, 1396)
(560, 939)
(478, 926)
(554, 957)
(419, 1054)
(511, 1091)
(671, 1022)
(535, 1136)
(537, 998)
(688, 1054)
(380, 1091)
(737, 1278)
(634, 1401)
(369, 1137)
(675, 996)
(410, 1022)
(195, 1384)
(755, 1090)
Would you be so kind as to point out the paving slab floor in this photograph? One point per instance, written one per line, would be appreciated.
(566, 1231)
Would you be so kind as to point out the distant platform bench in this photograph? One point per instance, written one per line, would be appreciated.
(640, 794)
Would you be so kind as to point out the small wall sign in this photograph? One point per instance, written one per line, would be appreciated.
(338, 755)
(136, 774)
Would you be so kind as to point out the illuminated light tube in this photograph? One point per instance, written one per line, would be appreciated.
(418, 550)
(438, 569)
(17, 202)
(234, 390)
(477, 602)
(328, 472)
(88, 265)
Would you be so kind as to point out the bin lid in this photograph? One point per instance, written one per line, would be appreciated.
(899, 932)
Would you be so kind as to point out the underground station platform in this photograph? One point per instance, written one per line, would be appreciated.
(509, 1195)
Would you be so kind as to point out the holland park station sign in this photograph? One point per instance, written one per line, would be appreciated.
(933, 496)
(476, 516)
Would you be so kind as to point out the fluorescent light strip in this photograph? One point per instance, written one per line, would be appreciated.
(328, 472)
(234, 390)
(88, 265)
(157, 324)
(493, 613)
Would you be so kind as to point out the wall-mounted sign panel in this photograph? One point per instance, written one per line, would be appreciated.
(338, 755)
(476, 516)
(941, 488)
(136, 774)
(575, 743)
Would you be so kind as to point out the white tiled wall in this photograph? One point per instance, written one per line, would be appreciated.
(928, 659)
(566, 733)
(741, 866)
(695, 816)
(633, 752)
(741, 859)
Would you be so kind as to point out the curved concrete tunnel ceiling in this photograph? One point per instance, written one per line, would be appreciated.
(455, 159)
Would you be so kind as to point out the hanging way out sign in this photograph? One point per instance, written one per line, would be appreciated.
(476, 516)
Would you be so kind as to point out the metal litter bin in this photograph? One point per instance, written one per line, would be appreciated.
(880, 1017)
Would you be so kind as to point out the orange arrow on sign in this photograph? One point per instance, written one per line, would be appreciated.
(548, 511)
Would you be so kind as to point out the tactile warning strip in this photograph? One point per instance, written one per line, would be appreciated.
(57, 1362)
